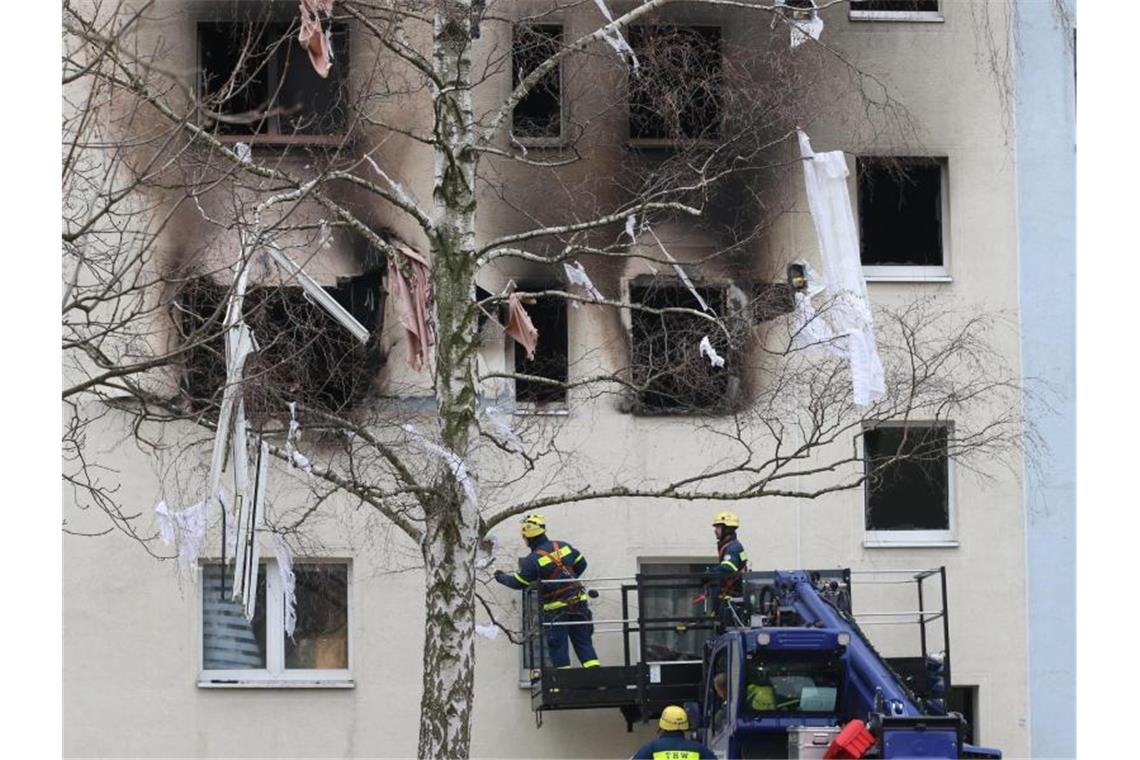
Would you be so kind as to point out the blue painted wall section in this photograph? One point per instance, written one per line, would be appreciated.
(1046, 181)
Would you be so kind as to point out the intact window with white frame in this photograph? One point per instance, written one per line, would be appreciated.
(537, 117)
(908, 492)
(259, 652)
(903, 217)
(895, 10)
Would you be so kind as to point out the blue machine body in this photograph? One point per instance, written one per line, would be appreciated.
(820, 672)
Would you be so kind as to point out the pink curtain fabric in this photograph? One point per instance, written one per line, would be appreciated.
(409, 283)
(519, 325)
(313, 37)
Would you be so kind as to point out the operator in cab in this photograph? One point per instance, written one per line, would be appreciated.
(671, 743)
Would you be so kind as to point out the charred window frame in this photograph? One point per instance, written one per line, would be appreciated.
(895, 10)
(303, 353)
(538, 117)
(236, 652)
(903, 217)
(271, 94)
(551, 353)
(667, 369)
(677, 92)
(909, 491)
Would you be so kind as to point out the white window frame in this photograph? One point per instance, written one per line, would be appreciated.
(907, 272)
(947, 537)
(856, 14)
(561, 140)
(275, 674)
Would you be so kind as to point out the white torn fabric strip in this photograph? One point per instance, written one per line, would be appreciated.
(487, 631)
(301, 462)
(454, 462)
(321, 296)
(403, 195)
(185, 529)
(614, 39)
(804, 28)
(507, 436)
(248, 555)
(577, 276)
(631, 228)
(485, 553)
(681, 273)
(243, 152)
(707, 349)
(284, 556)
(849, 314)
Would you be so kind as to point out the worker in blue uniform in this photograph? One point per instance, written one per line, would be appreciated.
(732, 562)
(563, 602)
(671, 743)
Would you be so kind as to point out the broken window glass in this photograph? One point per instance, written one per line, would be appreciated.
(320, 640)
(548, 314)
(229, 641)
(304, 354)
(256, 80)
(668, 369)
(539, 114)
(677, 93)
(910, 493)
(900, 211)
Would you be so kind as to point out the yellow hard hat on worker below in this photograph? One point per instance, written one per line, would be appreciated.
(533, 525)
(727, 519)
(674, 718)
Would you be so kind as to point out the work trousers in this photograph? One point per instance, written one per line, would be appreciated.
(581, 635)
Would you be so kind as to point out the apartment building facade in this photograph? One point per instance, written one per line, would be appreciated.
(157, 662)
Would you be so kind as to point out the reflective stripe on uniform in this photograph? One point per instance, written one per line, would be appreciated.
(676, 754)
(560, 604)
(734, 568)
(547, 559)
(521, 579)
(592, 664)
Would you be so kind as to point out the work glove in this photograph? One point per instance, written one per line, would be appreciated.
(500, 576)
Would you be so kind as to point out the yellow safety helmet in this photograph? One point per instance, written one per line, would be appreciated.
(674, 718)
(727, 519)
(533, 525)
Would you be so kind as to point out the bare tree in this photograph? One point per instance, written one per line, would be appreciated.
(177, 220)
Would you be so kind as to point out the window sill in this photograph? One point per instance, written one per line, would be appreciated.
(906, 274)
(277, 683)
(529, 410)
(270, 140)
(910, 543)
(667, 143)
(541, 142)
(926, 17)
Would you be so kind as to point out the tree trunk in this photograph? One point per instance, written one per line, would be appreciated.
(452, 524)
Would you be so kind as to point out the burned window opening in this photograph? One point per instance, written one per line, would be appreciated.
(900, 211)
(667, 367)
(548, 314)
(270, 91)
(677, 93)
(303, 353)
(539, 114)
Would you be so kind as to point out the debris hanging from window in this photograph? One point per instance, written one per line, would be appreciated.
(519, 325)
(576, 273)
(313, 37)
(409, 282)
(185, 528)
(614, 39)
(825, 181)
(707, 349)
(284, 556)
